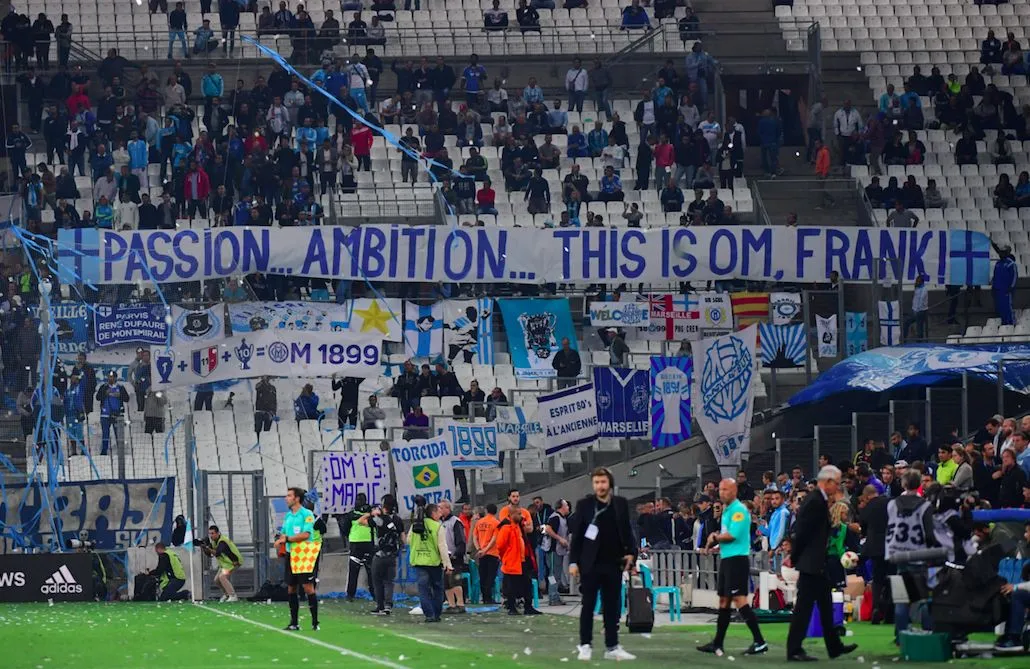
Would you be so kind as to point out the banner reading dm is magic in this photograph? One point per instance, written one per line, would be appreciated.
(523, 255)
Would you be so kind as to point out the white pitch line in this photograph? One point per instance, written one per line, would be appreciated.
(427, 642)
(318, 642)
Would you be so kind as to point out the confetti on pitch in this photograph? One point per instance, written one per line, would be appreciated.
(401, 658)
(527, 650)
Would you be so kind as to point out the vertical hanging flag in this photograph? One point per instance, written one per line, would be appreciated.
(890, 322)
(535, 329)
(785, 307)
(716, 313)
(750, 308)
(423, 329)
(856, 332)
(826, 329)
(622, 401)
(468, 334)
(783, 346)
(670, 400)
(725, 394)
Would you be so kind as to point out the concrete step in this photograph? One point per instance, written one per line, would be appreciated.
(785, 195)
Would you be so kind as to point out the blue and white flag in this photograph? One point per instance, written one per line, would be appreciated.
(857, 332)
(423, 329)
(130, 323)
(626, 312)
(783, 346)
(72, 320)
(784, 307)
(198, 324)
(890, 322)
(303, 316)
(725, 393)
(535, 329)
(473, 445)
(670, 400)
(468, 334)
(517, 429)
(622, 401)
(568, 418)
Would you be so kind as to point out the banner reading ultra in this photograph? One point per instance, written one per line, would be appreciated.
(524, 255)
(268, 353)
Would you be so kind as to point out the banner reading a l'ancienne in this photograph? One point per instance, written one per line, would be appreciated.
(523, 255)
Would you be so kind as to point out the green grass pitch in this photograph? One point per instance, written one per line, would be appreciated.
(247, 635)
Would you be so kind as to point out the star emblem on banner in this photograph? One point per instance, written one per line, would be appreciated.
(374, 318)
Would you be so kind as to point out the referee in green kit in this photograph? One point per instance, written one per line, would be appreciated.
(734, 539)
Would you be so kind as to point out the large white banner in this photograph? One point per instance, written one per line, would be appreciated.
(346, 475)
(267, 353)
(430, 253)
(724, 368)
(423, 467)
(568, 418)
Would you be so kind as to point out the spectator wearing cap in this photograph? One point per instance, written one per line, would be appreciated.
(1003, 283)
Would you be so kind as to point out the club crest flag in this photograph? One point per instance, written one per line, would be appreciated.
(724, 392)
(423, 329)
(196, 325)
(670, 400)
(568, 418)
(856, 332)
(716, 313)
(423, 467)
(622, 401)
(782, 346)
(826, 330)
(535, 329)
(785, 307)
(468, 331)
(627, 312)
(890, 322)
(750, 308)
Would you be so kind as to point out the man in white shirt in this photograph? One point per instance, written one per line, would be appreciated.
(613, 155)
(920, 309)
(711, 130)
(900, 217)
(576, 81)
(847, 124)
(497, 98)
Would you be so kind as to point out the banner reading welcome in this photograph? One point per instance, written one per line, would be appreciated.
(524, 255)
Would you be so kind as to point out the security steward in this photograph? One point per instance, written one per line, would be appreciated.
(362, 549)
(171, 575)
(229, 559)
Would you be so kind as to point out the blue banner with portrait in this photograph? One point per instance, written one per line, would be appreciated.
(535, 329)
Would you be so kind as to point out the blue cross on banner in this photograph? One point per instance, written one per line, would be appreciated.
(970, 258)
(78, 255)
(890, 323)
(423, 329)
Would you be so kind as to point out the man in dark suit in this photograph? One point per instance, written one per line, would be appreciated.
(872, 514)
(808, 556)
(602, 547)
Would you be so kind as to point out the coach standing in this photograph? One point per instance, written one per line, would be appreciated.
(808, 556)
(602, 548)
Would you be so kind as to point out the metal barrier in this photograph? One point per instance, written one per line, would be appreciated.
(673, 568)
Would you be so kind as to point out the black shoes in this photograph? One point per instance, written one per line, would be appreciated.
(292, 627)
(844, 650)
(802, 657)
(757, 648)
(710, 648)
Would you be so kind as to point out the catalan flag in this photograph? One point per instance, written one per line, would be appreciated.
(750, 308)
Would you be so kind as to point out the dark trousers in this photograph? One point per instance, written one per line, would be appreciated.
(883, 604)
(430, 591)
(488, 566)
(262, 421)
(152, 425)
(384, 571)
(360, 558)
(202, 400)
(605, 581)
(813, 590)
(516, 587)
(171, 592)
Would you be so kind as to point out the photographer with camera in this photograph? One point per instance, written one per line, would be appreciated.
(171, 575)
(224, 551)
(97, 567)
(428, 555)
(359, 538)
(388, 535)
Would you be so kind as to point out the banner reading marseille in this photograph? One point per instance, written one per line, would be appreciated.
(568, 418)
(535, 330)
(428, 253)
(468, 334)
(783, 346)
(423, 329)
(857, 332)
(423, 467)
(267, 353)
(517, 429)
(195, 325)
(670, 400)
(622, 401)
(130, 323)
(725, 393)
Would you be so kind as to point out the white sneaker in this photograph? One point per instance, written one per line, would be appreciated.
(585, 652)
(618, 653)
(224, 598)
(417, 611)
(232, 598)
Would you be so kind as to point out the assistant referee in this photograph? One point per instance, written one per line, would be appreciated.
(734, 540)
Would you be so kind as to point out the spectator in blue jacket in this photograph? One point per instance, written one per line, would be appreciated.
(1003, 283)
(635, 17)
(577, 144)
(139, 158)
(306, 404)
(597, 139)
(112, 397)
(769, 133)
(775, 528)
(75, 413)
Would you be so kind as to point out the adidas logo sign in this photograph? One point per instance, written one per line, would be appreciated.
(60, 582)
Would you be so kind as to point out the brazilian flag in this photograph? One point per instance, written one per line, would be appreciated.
(426, 476)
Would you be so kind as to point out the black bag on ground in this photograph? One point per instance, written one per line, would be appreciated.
(640, 609)
(144, 588)
(270, 591)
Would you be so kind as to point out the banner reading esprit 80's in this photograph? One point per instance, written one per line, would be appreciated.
(267, 353)
(523, 255)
